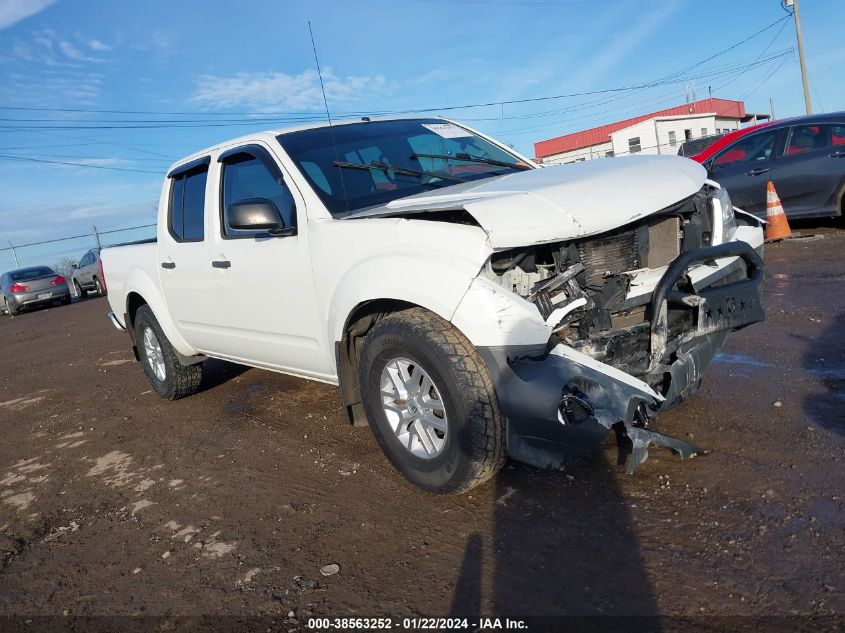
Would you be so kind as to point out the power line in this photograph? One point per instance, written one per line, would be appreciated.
(76, 237)
(59, 162)
(308, 116)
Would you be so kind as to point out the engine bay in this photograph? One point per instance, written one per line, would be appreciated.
(580, 287)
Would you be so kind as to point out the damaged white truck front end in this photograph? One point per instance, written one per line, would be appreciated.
(468, 304)
(610, 287)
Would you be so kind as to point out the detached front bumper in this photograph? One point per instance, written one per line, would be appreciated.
(563, 402)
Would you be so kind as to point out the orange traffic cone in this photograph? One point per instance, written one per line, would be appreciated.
(777, 227)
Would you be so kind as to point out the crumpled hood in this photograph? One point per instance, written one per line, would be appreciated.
(562, 202)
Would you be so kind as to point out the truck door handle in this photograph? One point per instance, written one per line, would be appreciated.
(221, 263)
(838, 154)
(168, 264)
(757, 171)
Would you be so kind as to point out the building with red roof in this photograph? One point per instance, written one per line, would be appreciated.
(659, 132)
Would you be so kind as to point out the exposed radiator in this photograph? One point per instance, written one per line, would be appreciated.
(609, 255)
(650, 246)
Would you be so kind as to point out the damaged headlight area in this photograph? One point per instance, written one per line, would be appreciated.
(613, 362)
(723, 208)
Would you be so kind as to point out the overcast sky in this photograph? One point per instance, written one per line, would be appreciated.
(179, 76)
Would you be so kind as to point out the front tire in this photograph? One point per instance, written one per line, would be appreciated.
(170, 378)
(431, 403)
(79, 291)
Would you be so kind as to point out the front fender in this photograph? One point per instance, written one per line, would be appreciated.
(137, 280)
(413, 276)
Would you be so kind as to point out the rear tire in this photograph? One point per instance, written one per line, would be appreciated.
(98, 288)
(440, 424)
(170, 378)
(10, 309)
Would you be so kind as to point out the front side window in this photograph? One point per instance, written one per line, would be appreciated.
(359, 165)
(246, 177)
(187, 205)
(758, 147)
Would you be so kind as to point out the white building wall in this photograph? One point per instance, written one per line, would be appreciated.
(583, 153)
(654, 137)
(644, 130)
(680, 125)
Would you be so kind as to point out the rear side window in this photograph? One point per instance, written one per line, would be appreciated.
(809, 138)
(187, 205)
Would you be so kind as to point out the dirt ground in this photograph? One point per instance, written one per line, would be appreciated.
(115, 502)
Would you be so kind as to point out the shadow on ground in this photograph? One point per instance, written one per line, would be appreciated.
(825, 360)
(568, 550)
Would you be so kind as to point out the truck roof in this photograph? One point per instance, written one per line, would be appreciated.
(270, 135)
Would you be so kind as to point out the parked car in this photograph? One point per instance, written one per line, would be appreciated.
(803, 156)
(31, 287)
(88, 274)
(469, 304)
(696, 146)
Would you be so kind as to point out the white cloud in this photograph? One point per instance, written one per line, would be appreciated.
(276, 90)
(71, 52)
(97, 45)
(13, 11)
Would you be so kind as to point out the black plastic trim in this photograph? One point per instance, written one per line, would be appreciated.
(205, 161)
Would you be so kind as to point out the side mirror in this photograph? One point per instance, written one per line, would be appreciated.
(257, 214)
(74, 266)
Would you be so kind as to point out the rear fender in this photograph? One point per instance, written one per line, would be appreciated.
(138, 281)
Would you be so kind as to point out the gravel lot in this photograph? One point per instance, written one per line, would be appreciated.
(113, 501)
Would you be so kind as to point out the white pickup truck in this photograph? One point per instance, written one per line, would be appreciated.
(468, 303)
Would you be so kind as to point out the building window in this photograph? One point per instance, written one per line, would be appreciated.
(704, 131)
(672, 139)
(634, 145)
(687, 135)
(608, 154)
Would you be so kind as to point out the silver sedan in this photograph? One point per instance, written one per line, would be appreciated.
(30, 287)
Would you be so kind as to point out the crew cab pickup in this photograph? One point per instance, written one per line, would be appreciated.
(468, 303)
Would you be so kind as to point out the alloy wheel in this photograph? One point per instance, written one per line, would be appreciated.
(153, 353)
(413, 407)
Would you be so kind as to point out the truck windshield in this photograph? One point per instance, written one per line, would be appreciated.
(359, 165)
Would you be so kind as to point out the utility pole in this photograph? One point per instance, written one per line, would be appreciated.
(772, 106)
(14, 254)
(799, 35)
(96, 236)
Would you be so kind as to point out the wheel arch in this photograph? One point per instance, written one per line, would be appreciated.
(348, 348)
(140, 289)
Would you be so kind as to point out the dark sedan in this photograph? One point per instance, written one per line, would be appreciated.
(803, 156)
(30, 287)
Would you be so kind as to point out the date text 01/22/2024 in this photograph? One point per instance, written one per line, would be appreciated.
(418, 624)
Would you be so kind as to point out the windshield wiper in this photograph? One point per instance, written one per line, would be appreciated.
(398, 170)
(473, 159)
